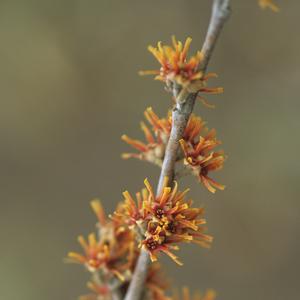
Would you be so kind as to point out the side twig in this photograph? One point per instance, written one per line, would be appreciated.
(180, 117)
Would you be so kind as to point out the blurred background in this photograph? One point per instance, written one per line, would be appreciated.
(69, 88)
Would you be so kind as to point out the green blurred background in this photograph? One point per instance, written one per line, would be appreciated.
(69, 88)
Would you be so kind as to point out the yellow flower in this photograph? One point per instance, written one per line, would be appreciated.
(268, 4)
(165, 220)
(177, 70)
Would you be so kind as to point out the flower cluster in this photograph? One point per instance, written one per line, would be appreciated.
(198, 144)
(268, 4)
(111, 253)
(177, 71)
(164, 220)
(111, 256)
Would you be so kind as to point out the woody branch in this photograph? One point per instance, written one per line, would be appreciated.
(180, 117)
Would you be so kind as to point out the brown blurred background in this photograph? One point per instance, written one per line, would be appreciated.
(69, 88)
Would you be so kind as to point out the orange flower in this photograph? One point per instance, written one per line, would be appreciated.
(200, 158)
(111, 253)
(268, 4)
(102, 256)
(197, 145)
(156, 139)
(94, 253)
(165, 220)
(114, 253)
(157, 136)
(209, 295)
(178, 71)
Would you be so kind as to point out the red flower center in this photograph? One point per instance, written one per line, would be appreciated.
(159, 213)
(151, 244)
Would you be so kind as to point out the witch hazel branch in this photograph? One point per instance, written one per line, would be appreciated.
(122, 255)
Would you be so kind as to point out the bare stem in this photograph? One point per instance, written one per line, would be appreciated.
(136, 287)
(220, 13)
(180, 117)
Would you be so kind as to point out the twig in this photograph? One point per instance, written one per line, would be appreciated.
(220, 13)
(180, 117)
(136, 287)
